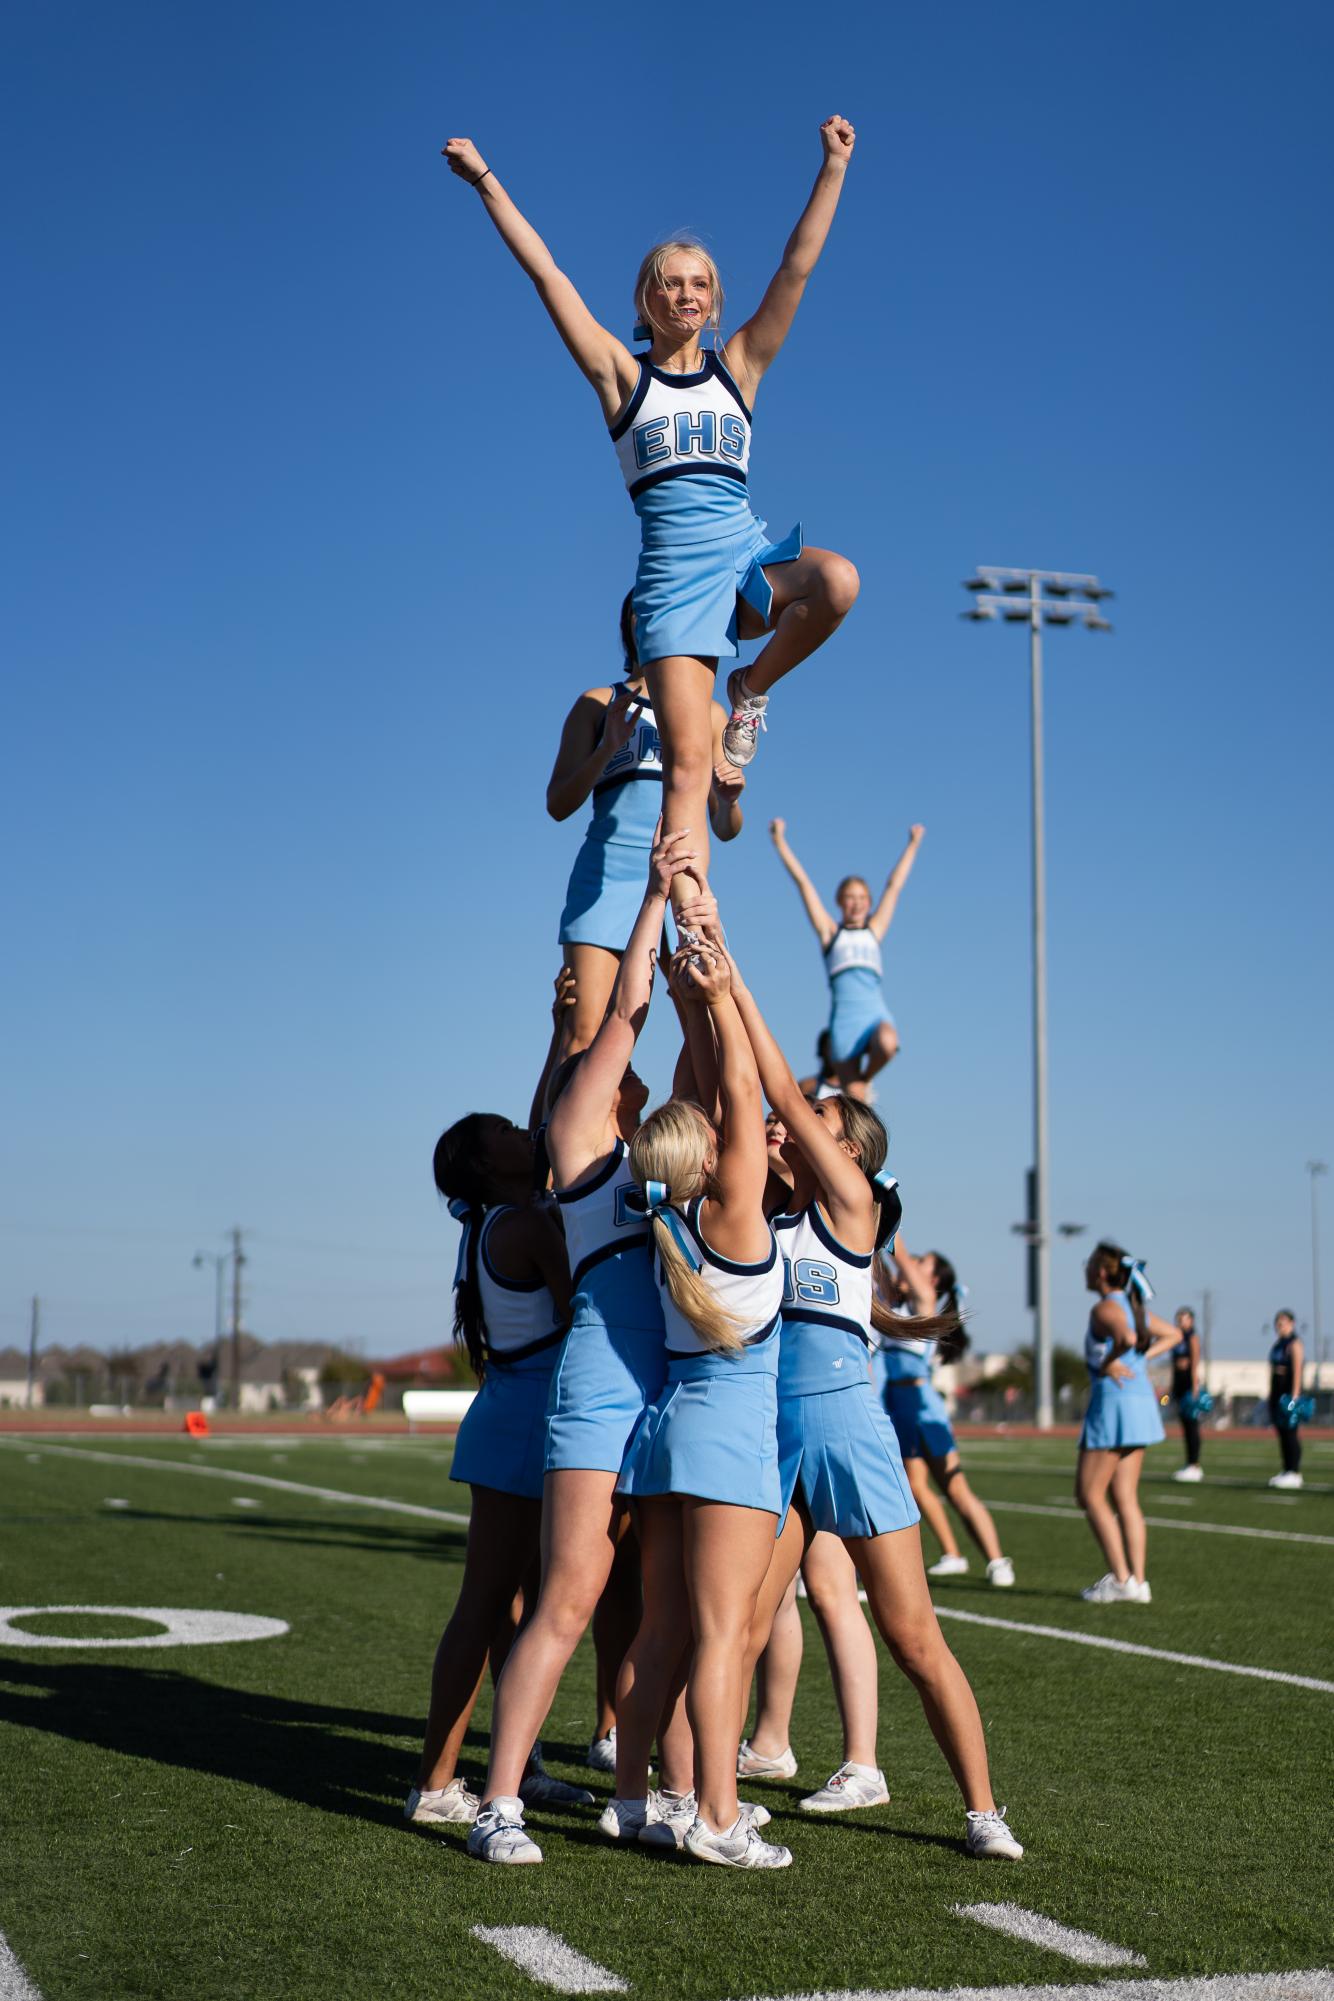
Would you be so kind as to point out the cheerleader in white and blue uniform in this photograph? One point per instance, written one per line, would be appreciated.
(610, 750)
(840, 1465)
(609, 1367)
(861, 1037)
(1121, 1420)
(680, 418)
(511, 1309)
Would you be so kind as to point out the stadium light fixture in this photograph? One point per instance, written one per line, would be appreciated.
(1047, 595)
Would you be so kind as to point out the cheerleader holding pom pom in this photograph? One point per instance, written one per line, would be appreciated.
(680, 420)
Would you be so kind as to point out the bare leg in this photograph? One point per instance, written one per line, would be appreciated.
(649, 1674)
(1092, 1480)
(676, 1745)
(812, 597)
(776, 1673)
(594, 977)
(831, 1581)
(891, 1566)
(1125, 1499)
(930, 1508)
(971, 1512)
(681, 691)
(502, 1539)
(615, 1623)
(580, 1517)
(727, 1553)
(779, 1579)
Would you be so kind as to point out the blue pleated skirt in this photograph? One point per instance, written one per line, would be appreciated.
(839, 1448)
(1121, 1415)
(604, 1380)
(920, 1420)
(686, 592)
(712, 1432)
(501, 1443)
(605, 891)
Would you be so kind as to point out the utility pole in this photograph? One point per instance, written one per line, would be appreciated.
(1315, 1168)
(34, 1329)
(238, 1259)
(1034, 598)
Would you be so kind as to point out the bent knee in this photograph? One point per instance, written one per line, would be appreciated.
(840, 583)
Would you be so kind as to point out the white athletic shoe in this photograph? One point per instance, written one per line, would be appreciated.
(602, 1752)
(1188, 1475)
(498, 1836)
(754, 1765)
(538, 1788)
(672, 1815)
(988, 1835)
(746, 721)
(447, 1803)
(1286, 1480)
(739, 1848)
(623, 1820)
(1000, 1572)
(948, 1566)
(1108, 1592)
(852, 1785)
(1138, 1592)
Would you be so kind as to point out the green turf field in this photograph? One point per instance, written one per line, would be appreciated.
(226, 1820)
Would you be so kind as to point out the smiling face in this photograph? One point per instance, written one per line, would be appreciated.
(854, 902)
(680, 301)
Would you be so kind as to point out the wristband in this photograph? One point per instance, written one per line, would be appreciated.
(481, 177)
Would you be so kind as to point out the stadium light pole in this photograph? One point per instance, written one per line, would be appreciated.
(1316, 1168)
(1036, 598)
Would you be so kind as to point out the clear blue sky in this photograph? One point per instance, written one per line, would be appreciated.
(294, 605)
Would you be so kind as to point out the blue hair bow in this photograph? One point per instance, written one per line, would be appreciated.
(461, 1211)
(657, 1197)
(1135, 1279)
(960, 1295)
(655, 1201)
(884, 1179)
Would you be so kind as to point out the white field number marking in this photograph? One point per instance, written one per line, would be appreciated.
(183, 1629)
(14, 1982)
(1034, 1929)
(1314, 1986)
(1130, 1647)
(543, 1955)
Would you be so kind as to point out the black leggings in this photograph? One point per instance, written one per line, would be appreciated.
(1289, 1440)
(1190, 1431)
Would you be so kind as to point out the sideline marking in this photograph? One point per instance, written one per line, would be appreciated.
(543, 1955)
(14, 1982)
(184, 1629)
(1071, 1513)
(1317, 1985)
(1148, 1653)
(1034, 1929)
(258, 1480)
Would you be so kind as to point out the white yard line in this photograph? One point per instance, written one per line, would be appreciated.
(1314, 1986)
(1034, 1929)
(1071, 1513)
(1131, 1647)
(257, 1480)
(543, 1955)
(14, 1982)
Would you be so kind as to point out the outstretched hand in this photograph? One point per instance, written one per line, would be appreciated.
(915, 832)
(566, 995)
(838, 139)
(669, 857)
(618, 724)
(699, 973)
(464, 159)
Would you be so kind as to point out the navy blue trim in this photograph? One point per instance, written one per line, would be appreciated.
(637, 394)
(551, 1340)
(786, 1221)
(598, 1257)
(831, 1243)
(677, 381)
(599, 1180)
(754, 1340)
(805, 1317)
(725, 376)
(505, 1284)
(716, 1258)
(733, 473)
(626, 778)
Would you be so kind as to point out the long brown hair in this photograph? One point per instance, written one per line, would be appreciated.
(1117, 1266)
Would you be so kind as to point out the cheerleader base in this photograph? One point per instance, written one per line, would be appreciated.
(838, 1450)
(712, 1432)
(502, 1441)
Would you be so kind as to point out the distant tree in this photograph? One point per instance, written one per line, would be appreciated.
(1067, 1368)
(123, 1368)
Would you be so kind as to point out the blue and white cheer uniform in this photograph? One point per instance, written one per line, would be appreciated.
(683, 442)
(610, 870)
(834, 1441)
(712, 1432)
(1120, 1414)
(902, 1373)
(612, 1363)
(855, 970)
(502, 1439)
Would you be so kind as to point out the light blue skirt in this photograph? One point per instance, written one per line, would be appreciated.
(600, 1388)
(839, 1448)
(712, 1432)
(857, 1008)
(501, 1442)
(1120, 1416)
(920, 1420)
(605, 891)
(686, 592)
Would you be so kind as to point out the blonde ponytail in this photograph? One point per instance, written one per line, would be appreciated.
(691, 1295)
(667, 1159)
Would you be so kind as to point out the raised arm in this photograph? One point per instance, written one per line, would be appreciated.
(916, 1277)
(821, 922)
(734, 1218)
(883, 914)
(600, 723)
(560, 1007)
(696, 1075)
(606, 362)
(753, 346)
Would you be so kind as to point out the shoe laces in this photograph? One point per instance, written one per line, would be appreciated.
(750, 720)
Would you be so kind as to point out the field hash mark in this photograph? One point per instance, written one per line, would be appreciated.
(1034, 1929)
(543, 1955)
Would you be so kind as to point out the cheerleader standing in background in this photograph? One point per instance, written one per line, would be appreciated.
(1287, 1360)
(862, 1035)
(1186, 1381)
(901, 1369)
(680, 420)
(610, 749)
(1121, 1420)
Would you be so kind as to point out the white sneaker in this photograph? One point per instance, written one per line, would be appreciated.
(623, 1820)
(754, 1765)
(497, 1834)
(447, 1803)
(672, 1815)
(948, 1566)
(989, 1836)
(1286, 1480)
(1188, 1475)
(538, 1788)
(602, 1752)
(1108, 1592)
(1137, 1591)
(746, 721)
(739, 1848)
(1000, 1572)
(852, 1785)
